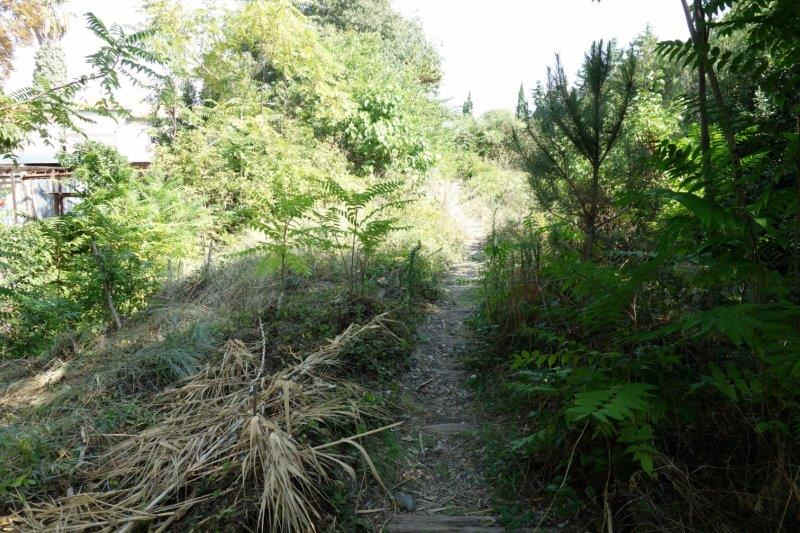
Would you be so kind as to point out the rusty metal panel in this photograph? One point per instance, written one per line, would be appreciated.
(37, 191)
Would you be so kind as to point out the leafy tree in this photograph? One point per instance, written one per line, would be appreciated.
(733, 168)
(22, 21)
(181, 37)
(391, 126)
(522, 111)
(116, 243)
(32, 306)
(377, 137)
(50, 68)
(769, 53)
(271, 47)
(403, 41)
(233, 153)
(96, 166)
(100, 262)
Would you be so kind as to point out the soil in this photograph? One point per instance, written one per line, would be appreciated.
(443, 472)
(440, 485)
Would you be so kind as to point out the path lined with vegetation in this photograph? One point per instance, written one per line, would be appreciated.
(208, 341)
(441, 487)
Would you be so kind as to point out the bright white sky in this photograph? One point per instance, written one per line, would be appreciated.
(488, 46)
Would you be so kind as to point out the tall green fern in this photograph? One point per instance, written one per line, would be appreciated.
(364, 222)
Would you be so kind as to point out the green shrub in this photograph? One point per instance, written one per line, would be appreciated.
(100, 262)
(626, 360)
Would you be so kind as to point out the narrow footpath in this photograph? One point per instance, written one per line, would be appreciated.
(441, 486)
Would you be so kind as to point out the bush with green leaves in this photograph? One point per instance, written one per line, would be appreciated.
(33, 307)
(100, 262)
(627, 366)
(115, 245)
(96, 166)
(283, 227)
(377, 137)
(670, 361)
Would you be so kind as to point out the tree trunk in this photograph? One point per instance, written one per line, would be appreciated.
(207, 265)
(111, 307)
(726, 123)
(107, 288)
(353, 280)
(13, 199)
(588, 243)
(284, 251)
(797, 215)
(593, 211)
(590, 235)
(697, 29)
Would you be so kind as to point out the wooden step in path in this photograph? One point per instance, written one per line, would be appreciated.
(450, 428)
(417, 523)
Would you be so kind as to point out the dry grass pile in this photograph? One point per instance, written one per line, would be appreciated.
(230, 433)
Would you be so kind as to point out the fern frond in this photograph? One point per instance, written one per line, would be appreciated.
(619, 402)
(137, 37)
(98, 28)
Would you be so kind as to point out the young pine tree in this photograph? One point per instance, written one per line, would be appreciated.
(522, 104)
(466, 108)
(573, 130)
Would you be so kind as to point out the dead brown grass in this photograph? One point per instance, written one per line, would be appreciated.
(229, 432)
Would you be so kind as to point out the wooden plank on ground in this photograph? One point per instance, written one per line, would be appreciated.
(450, 428)
(416, 523)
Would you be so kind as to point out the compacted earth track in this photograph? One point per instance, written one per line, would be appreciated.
(441, 487)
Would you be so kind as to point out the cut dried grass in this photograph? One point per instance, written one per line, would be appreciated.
(228, 426)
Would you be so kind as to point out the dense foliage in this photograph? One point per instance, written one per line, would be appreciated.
(312, 125)
(641, 287)
(99, 262)
(651, 324)
(285, 205)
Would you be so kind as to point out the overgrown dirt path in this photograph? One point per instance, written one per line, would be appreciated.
(440, 486)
